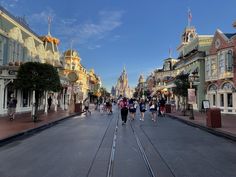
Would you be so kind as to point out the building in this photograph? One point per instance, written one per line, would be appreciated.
(19, 44)
(221, 73)
(192, 52)
(88, 84)
(122, 87)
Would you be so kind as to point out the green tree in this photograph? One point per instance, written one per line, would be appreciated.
(104, 92)
(38, 77)
(181, 89)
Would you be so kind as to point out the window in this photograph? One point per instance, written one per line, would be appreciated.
(208, 74)
(229, 61)
(222, 100)
(214, 100)
(213, 88)
(229, 100)
(227, 86)
(213, 67)
(221, 64)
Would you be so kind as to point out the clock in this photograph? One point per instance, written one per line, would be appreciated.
(217, 43)
(72, 76)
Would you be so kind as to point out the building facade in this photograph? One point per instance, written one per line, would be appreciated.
(220, 72)
(192, 52)
(19, 44)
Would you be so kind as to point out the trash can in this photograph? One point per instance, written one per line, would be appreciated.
(78, 108)
(168, 108)
(214, 118)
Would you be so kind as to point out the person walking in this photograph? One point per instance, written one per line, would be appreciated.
(142, 108)
(49, 102)
(123, 104)
(132, 108)
(162, 103)
(153, 109)
(86, 106)
(11, 105)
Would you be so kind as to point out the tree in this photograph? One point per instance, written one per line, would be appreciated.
(104, 92)
(181, 89)
(37, 77)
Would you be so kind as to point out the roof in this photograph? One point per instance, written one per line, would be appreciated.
(19, 20)
(229, 35)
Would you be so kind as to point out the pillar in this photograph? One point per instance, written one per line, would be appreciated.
(225, 103)
(46, 102)
(1, 96)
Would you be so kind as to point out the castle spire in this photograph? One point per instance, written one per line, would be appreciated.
(124, 69)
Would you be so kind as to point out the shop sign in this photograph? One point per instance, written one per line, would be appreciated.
(191, 96)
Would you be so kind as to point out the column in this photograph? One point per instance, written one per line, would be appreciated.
(225, 103)
(234, 102)
(218, 100)
(1, 96)
(55, 101)
(46, 102)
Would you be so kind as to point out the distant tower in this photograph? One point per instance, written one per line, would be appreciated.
(122, 87)
(51, 47)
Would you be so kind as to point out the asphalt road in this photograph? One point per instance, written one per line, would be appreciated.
(99, 146)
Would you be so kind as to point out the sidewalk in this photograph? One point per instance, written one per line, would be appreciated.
(228, 122)
(23, 123)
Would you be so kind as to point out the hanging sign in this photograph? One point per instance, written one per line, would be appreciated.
(191, 96)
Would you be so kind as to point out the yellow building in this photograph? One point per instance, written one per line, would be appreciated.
(88, 83)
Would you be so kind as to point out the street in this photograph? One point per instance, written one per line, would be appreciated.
(99, 146)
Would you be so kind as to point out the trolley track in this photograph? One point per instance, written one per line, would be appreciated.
(151, 172)
(144, 156)
(99, 147)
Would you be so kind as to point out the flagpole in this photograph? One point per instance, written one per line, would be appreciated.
(189, 17)
(49, 25)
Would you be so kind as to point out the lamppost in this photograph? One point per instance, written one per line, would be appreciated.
(191, 93)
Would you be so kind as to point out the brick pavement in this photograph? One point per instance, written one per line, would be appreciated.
(228, 122)
(23, 122)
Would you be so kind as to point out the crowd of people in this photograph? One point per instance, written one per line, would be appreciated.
(156, 107)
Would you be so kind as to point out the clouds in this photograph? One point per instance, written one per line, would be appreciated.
(88, 33)
(91, 32)
(9, 3)
(41, 18)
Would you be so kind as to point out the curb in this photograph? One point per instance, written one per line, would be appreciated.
(208, 129)
(23, 134)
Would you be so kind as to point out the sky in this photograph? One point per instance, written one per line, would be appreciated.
(111, 34)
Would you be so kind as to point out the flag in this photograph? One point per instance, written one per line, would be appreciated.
(49, 20)
(170, 52)
(189, 15)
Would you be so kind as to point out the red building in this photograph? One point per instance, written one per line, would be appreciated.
(220, 72)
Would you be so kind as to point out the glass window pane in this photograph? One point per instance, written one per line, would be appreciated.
(222, 100)
(230, 100)
(214, 100)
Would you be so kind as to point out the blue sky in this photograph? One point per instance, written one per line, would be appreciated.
(109, 34)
